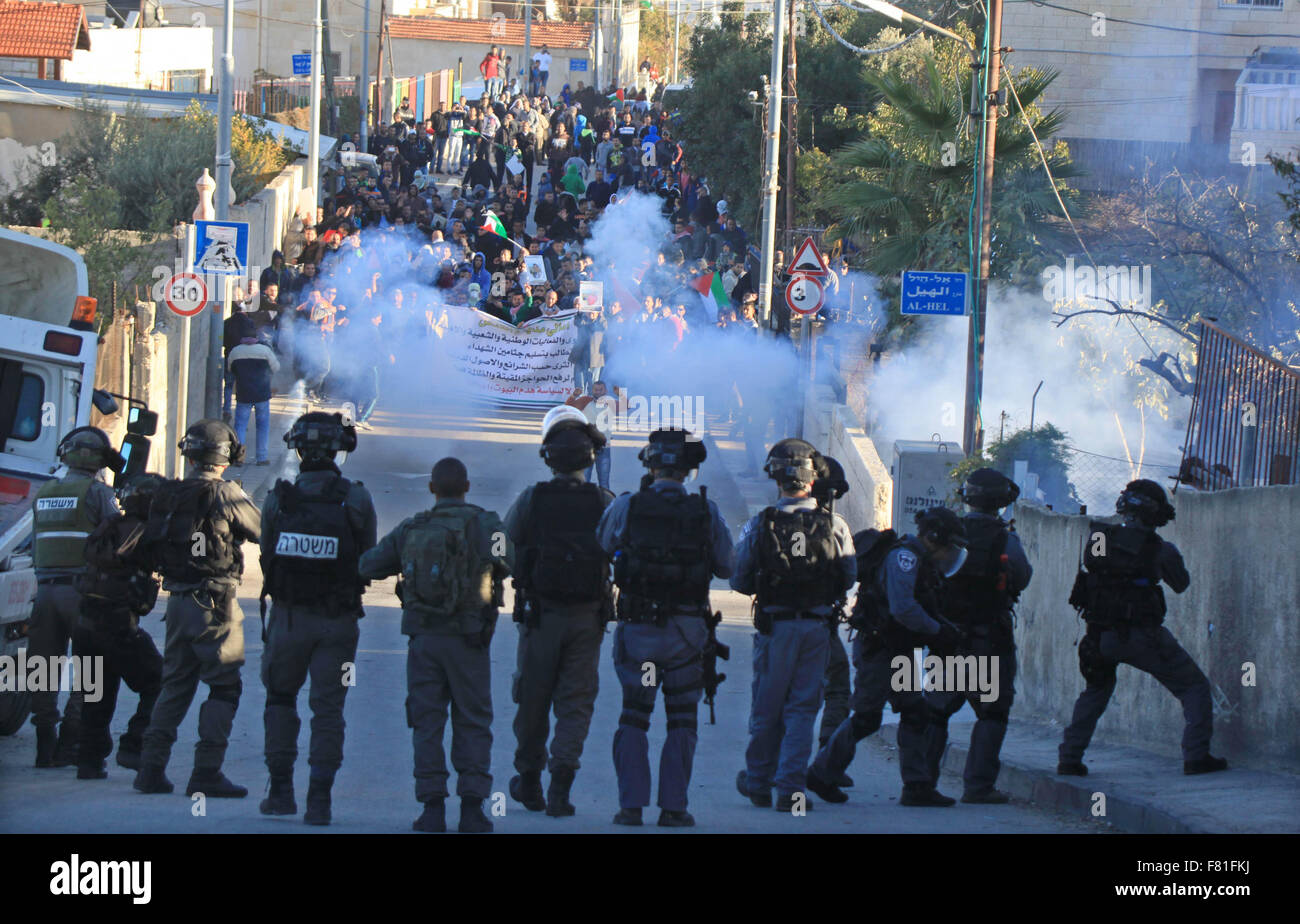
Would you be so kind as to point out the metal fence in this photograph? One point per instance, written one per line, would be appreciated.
(1244, 428)
(1096, 480)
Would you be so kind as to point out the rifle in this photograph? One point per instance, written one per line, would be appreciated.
(713, 649)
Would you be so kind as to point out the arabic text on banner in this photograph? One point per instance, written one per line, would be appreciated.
(526, 365)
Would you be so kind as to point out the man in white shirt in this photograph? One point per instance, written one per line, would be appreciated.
(543, 59)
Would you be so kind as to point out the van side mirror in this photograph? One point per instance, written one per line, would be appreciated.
(135, 450)
(141, 421)
(103, 401)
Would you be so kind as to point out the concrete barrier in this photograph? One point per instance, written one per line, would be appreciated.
(834, 429)
(1241, 613)
(269, 213)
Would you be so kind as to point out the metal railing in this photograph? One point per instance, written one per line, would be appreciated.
(1244, 427)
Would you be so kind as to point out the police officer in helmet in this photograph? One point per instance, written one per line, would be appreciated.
(978, 599)
(117, 588)
(1118, 594)
(798, 560)
(827, 489)
(897, 610)
(314, 531)
(195, 532)
(64, 513)
(667, 544)
(562, 600)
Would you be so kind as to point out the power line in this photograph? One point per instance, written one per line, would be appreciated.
(1159, 26)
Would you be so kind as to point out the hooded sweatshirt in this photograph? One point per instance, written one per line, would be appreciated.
(573, 182)
(478, 273)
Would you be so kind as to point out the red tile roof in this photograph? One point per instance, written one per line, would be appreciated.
(42, 30)
(562, 35)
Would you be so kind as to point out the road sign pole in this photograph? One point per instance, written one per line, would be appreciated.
(805, 344)
(221, 206)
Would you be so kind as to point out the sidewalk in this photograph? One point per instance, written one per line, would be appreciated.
(1145, 793)
(257, 480)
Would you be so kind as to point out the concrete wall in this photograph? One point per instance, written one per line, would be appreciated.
(1242, 548)
(269, 213)
(142, 57)
(835, 430)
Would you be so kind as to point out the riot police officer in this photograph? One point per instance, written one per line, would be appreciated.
(64, 512)
(978, 599)
(453, 560)
(897, 610)
(798, 560)
(196, 529)
(117, 588)
(827, 489)
(1118, 594)
(314, 531)
(561, 605)
(667, 544)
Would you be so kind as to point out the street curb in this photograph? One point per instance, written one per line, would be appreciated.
(1072, 795)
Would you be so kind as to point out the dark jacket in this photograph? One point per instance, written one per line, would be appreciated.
(253, 366)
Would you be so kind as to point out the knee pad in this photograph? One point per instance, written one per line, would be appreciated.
(864, 724)
(228, 693)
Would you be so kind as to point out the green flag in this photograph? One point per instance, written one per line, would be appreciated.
(492, 225)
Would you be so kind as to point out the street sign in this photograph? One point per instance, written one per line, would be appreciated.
(301, 65)
(577, 64)
(804, 295)
(934, 293)
(808, 260)
(220, 248)
(185, 294)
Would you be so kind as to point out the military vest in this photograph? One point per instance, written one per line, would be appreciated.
(560, 557)
(314, 553)
(796, 559)
(61, 523)
(666, 555)
(979, 593)
(182, 536)
(1120, 579)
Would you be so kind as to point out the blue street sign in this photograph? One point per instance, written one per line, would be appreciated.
(301, 64)
(577, 64)
(220, 248)
(934, 293)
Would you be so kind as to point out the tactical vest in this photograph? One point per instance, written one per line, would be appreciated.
(182, 537)
(796, 559)
(443, 577)
(314, 552)
(979, 593)
(560, 557)
(61, 523)
(666, 556)
(118, 578)
(1120, 580)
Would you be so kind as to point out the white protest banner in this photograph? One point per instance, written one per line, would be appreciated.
(528, 364)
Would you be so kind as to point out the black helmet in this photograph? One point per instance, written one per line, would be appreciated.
(792, 463)
(941, 526)
(138, 493)
(318, 435)
(831, 483)
(90, 449)
(673, 450)
(211, 442)
(989, 490)
(1145, 500)
(569, 449)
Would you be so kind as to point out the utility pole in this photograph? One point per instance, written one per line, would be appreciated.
(677, 34)
(972, 428)
(791, 123)
(771, 163)
(379, 77)
(330, 105)
(526, 65)
(595, 66)
(618, 44)
(313, 143)
(221, 205)
(364, 89)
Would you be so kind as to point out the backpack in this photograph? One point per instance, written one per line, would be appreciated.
(183, 539)
(562, 560)
(117, 576)
(871, 545)
(796, 555)
(441, 570)
(314, 553)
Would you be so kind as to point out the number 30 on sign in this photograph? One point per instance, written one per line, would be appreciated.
(186, 294)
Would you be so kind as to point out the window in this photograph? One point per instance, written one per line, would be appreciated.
(1260, 4)
(185, 81)
(27, 415)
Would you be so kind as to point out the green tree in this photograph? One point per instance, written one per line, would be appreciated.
(1047, 451)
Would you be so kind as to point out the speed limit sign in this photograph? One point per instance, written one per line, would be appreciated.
(186, 294)
(804, 295)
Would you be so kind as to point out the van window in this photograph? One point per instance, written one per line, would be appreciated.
(27, 416)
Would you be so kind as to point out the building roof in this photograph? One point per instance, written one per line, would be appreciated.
(486, 32)
(42, 30)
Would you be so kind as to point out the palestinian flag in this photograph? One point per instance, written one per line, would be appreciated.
(492, 225)
(616, 95)
(711, 284)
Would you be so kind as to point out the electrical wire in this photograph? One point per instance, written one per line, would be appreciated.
(1161, 26)
(858, 50)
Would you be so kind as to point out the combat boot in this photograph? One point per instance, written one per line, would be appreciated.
(827, 792)
(93, 771)
(280, 800)
(318, 803)
(526, 789)
(65, 752)
(46, 739)
(434, 818)
(214, 785)
(472, 819)
(1206, 764)
(128, 756)
(992, 797)
(152, 780)
(761, 799)
(1071, 768)
(924, 794)
(557, 794)
(682, 819)
(628, 816)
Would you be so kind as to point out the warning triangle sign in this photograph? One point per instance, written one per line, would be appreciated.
(808, 260)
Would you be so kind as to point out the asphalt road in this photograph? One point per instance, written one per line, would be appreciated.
(374, 791)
